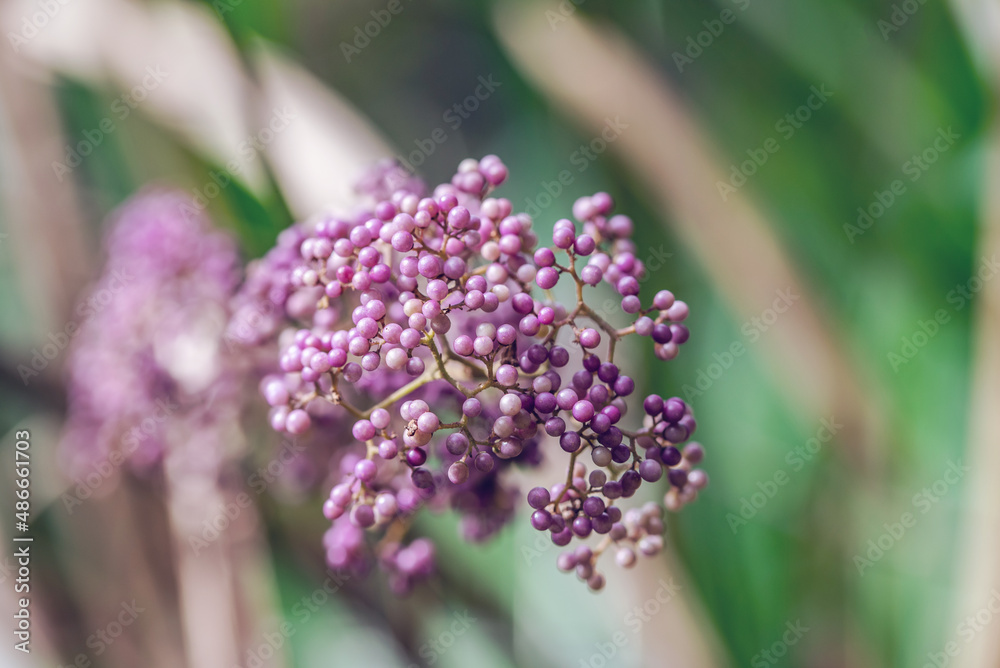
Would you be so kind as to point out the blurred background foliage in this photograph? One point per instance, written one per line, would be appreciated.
(795, 558)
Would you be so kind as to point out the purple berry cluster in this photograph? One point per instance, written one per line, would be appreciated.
(266, 299)
(438, 329)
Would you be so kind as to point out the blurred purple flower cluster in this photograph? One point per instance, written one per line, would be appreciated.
(149, 359)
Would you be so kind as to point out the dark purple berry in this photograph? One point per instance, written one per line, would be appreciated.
(593, 506)
(607, 372)
(674, 409)
(422, 478)
(630, 483)
(538, 497)
(670, 456)
(679, 333)
(541, 520)
(678, 477)
(662, 333)
(601, 524)
(600, 423)
(620, 453)
(624, 386)
(484, 462)
(570, 441)
(555, 426)
(558, 356)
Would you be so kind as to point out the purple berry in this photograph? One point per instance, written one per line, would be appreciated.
(541, 520)
(538, 497)
(650, 470)
(673, 409)
(670, 456)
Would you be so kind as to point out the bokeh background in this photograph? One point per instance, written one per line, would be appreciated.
(820, 178)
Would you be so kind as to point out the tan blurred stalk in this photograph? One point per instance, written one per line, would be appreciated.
(201, 92)
(594, 73)
(42, 231)
(978, 548)
(107, 540)
(41, 214)
(204, 577)
(328, 145)
(225, 606)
